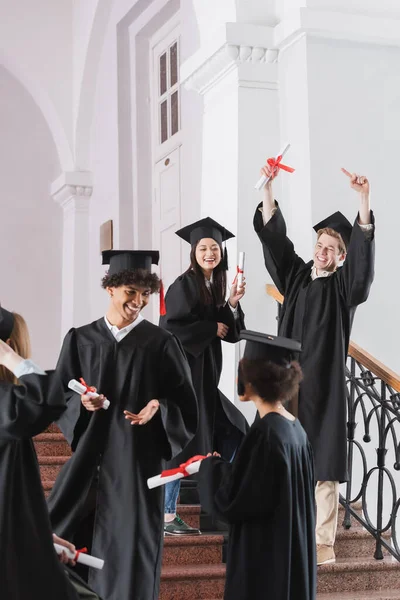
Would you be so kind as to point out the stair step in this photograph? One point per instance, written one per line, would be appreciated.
(51, 444)
(196, 582)
(358, 574)
(50, 466)
(372, 595)
(356, 541)
(190, 513)
(53, 428)
(193, 550)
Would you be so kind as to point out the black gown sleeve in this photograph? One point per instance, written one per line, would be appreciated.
(245, 489)
(235, 324)
(75, 418)
(357, 274)
(280, 258)
(29, 407)
(178, 404)
(183, 317)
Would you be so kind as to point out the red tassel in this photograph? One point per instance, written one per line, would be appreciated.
(163, 309)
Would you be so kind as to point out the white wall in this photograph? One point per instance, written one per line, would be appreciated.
(355, 123)
(30, 224)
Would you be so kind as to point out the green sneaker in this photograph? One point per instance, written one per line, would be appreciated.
(179, 527)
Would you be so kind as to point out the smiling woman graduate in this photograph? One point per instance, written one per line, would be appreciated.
(100, 498)
(199, 315)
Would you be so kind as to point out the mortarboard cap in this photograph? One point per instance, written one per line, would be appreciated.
(279, 350)
(129, 260)
(205, 228)
(338, 223)
(6, 324)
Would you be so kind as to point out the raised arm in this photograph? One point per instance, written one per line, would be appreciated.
(280, 258)
(27, 408)
(357, 273)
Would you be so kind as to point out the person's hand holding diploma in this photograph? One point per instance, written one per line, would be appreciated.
(63, 557)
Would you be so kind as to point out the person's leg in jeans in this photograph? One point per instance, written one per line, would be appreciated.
(173, 524)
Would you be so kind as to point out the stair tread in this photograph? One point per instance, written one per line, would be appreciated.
(193, 540)
(360, 564)
(53, 460)
(357, 533)
(193, 571)
(365, 595)
(50, 437)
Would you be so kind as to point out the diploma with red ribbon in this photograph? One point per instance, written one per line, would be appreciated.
(80, 556)
(240, 270)
(190, 467)
(84, 388)
(273, 163)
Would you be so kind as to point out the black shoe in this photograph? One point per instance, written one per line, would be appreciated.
(179, 527)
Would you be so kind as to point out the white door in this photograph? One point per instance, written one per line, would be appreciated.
(166, 216)
(166, 143)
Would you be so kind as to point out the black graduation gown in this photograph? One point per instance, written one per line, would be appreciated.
(112, 460)
(221, 425)
(29, 566)
(320, 314)
(267, 497)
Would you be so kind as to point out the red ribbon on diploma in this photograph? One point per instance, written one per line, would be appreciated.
(81, 551)
(182, 467)
(238, 271)
(276, 162)
(89, 388)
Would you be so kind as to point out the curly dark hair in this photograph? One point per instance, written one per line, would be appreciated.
(138, 277)
(270, 381)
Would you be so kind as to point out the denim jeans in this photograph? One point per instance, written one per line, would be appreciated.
(171, 496)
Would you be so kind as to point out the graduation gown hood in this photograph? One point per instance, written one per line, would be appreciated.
(320, 315)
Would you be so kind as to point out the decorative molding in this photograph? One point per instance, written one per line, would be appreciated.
(73, 189)
(224, 60)
(75, 196)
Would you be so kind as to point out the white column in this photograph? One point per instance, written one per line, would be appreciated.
(72, 191)
(237, 76)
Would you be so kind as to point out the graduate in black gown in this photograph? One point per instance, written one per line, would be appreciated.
(100, 498)
(267, 493)
(320, 300)
(29, 565)
(199, 315)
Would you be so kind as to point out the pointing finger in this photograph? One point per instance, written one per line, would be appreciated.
(346, 172)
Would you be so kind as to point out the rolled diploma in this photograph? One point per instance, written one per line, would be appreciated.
(263, 179)
(77, 387)
(84, 559)
(241, 269)
(157, 480)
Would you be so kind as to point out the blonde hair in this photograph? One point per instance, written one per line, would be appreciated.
(20, 342)
(334, 234)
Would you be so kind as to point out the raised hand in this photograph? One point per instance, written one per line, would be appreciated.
(359, 183)
(237, 293)
(145, 415)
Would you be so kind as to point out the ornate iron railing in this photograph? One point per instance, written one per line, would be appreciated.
(373, 433)
(373, 413)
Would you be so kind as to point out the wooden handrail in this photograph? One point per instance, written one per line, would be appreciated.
(355, 351)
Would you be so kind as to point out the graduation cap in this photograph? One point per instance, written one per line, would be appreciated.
(129, 260)
(338, 223)
(279, 350)
(206, 228)
(6, 324)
